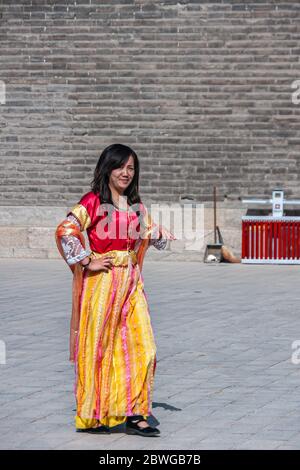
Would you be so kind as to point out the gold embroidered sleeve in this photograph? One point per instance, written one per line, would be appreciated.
(81, 215)
(151, 230)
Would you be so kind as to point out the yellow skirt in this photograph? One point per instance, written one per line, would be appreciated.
(115, 355)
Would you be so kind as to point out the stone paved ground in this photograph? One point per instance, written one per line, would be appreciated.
(224, 335)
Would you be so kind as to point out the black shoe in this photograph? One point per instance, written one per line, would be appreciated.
(133, 428)
(98, 430)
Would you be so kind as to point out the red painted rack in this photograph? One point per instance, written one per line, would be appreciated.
(271, 240)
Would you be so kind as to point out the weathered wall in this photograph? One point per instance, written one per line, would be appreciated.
(201, 90)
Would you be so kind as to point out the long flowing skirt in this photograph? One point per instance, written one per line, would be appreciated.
(115, 355)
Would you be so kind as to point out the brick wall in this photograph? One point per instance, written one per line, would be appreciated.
(201, 90)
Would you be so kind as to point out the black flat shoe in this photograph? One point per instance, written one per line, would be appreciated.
(133, 428)
(98, 430)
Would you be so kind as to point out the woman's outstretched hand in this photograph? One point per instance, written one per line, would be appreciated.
(166, 234)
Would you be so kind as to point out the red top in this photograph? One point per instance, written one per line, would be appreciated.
(106, 226)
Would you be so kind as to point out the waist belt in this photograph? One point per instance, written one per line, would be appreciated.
(119, 257)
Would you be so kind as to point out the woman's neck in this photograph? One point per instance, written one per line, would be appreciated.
(119, 199)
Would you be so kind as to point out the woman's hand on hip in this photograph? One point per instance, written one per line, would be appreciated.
(101, 264)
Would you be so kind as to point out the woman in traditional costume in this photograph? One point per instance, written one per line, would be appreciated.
(111, 338)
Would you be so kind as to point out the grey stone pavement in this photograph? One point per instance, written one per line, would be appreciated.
(224, 379)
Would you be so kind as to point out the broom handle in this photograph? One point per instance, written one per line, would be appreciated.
(215, 214)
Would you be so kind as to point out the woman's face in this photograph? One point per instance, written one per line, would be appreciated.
(120, 178)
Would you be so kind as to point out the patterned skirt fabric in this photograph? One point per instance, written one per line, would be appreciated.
(115, 355)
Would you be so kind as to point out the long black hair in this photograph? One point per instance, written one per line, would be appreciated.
(112, 157)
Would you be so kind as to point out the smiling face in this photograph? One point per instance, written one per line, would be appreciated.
(120, 178)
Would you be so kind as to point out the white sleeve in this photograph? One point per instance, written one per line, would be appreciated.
(73, 249)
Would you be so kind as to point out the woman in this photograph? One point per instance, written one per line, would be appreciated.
(111, 338)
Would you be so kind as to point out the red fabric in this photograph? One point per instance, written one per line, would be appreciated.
(113, 241)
